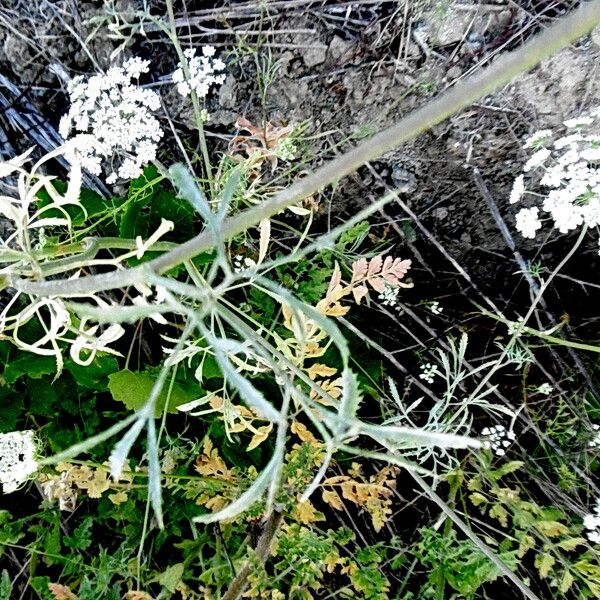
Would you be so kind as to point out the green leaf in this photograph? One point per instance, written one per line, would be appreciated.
(499, 512)
(42, 397)
(32, 365)
(165, 205)
(82, 536)
(477, 499)
(5, 586)
(134, 221)
(11, 407)
(505, 469)
(171, 577)
(551, 528)
(571, 543)
(133, 389)
(544, 562)
(566, 582)
(95, 375)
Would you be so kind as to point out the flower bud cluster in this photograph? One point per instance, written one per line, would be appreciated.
(113, 121)
(203, 71)
(569, 168)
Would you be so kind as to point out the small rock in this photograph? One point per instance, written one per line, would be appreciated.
(404, 180)
(314, 56)
(453, 73)
(227, 95)
(440, 213)
(338, 47)
(596, 36)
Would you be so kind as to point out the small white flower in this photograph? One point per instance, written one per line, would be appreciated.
(592, 523)
(203, 72)
(591, 154)
(428, 372)
(518, 189)
(578, 122)
(18, 450)
(435, 308)
(545, 389)
(538, 159)
(595, 441)
(528, 222)
(537, 139)
(241, 263)
(497, 439)
(516, 328)
(389, 295)
(112, 118)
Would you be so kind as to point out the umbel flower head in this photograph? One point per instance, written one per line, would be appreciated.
(568, 167)
(203, 71)
(18, 450)
(592, 523)
(113, 121)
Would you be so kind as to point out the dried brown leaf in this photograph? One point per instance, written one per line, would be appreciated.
(61, 592)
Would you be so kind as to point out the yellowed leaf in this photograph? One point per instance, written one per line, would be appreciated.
(336, 310)
(359, 269)
(302, 432)
(61, 592)
(359, 292)
(211, 464)
(137, 595)
(306, 513)
(336, 279)
(320, 370)
(118, 497)
(262, 433)
(332, 498)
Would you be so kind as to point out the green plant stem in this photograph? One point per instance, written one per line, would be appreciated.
(568, 29)
(195, 101)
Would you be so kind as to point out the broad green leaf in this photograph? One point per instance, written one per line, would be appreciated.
(571, 543)
(566, 582)
(32, 365)
(171, 577)
(551, 528)
(133, 389)
(95, 375)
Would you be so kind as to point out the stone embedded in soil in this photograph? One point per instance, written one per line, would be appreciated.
(339, 48)
(227, 93)
(314, 56)
(596, 36)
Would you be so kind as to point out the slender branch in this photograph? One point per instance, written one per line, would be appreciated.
(567, 30)
(263, 547)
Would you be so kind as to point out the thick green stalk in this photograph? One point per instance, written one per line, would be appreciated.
(567, 30)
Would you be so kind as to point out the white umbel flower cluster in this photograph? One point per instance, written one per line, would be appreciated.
(204, 71)
(595, 441)
(112, 120)
(428, 372)
(18, 450)
(592, 523)
(498, 439)
(389, 295)
(568, 167)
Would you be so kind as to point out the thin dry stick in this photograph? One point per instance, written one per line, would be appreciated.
(571, 28)
(263, 549)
